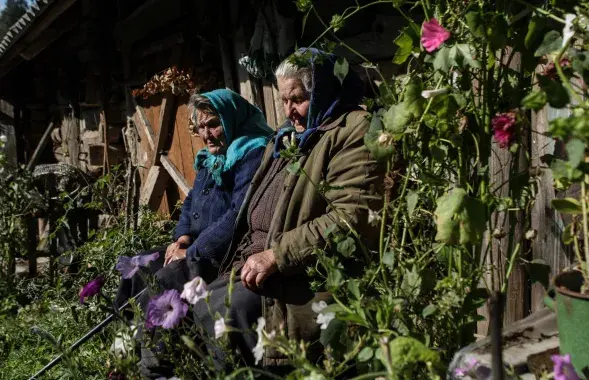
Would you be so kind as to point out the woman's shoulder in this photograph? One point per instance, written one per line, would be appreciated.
(354, 125)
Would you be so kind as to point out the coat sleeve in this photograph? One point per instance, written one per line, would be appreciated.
(354, 169)
(183, 227)
(212, 243)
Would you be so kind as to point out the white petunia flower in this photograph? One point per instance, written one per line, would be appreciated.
(123, 343)
(432, 93)
(220, 328)
(194, 290)
(318, 306)
(3, 139)
(567, 31)
(323, 318)
(258, 350)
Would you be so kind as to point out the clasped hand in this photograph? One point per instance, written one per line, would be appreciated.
(257, 269)
(177, 250)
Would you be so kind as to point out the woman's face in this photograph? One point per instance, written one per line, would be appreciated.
(210, 129)
(295, 100)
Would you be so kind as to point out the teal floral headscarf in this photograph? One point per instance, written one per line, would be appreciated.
(245, 129)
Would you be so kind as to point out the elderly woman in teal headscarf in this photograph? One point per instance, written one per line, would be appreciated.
(235, 133)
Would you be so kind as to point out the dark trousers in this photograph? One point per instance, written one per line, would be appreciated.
(243, 313)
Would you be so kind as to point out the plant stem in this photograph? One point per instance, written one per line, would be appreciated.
(585, 228)
(540, 10)
(563, 78)
(510, 268)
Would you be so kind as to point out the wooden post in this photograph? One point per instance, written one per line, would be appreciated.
(167, 113)
(32, 226)
(227, 63)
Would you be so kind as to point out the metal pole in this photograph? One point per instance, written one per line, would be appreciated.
(83, 339)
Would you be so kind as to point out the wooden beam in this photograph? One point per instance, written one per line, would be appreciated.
(175, 174)
(166, 118)
(141, 120)
(154, 187)
(39, 150)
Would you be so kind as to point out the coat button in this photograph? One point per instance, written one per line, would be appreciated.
(205, 191)
(269, 302)
(195, 215)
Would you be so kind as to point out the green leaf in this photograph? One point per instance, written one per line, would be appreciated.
(461, 55)
(406, 352)
(474, 20)
(332, 334)
(538, 271)
(337, 22)
(341, 69)
(567, 206)
(381, 151)
(411, 284)
(294, 168)
(442, 60)
(346, 247)
(428, 310)
(552, 42)
(405, 47)
(460, 219)
(365, 354)
(329, 230)
(389, 259)
(496, 32)
(556, 94)
(576, 152)
(567, 235)
(412, 97)
(411, 200)
(396, 119)
(354, 289)
(534, 30)
(535, 100)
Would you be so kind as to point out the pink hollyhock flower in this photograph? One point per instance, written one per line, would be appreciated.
(92, 288)
(503, 128)
(563, 369)
(166, 310)
(433, 35)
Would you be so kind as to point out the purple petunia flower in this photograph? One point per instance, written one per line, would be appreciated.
(128, 266)
(563, 369)
(166, 310)
(92, 288)
(468, 370)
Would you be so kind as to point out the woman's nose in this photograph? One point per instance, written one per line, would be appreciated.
(289, 109)
(206, 133)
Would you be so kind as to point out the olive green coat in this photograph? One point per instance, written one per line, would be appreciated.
(302, 216)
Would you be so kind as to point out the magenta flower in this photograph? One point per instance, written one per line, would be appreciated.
(433, 35)
(166, 310)
(128, 266)
(563, 369)
(92, 288)
(503, 128)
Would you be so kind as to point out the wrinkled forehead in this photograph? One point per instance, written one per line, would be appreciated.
(291, 88)
(198, 116)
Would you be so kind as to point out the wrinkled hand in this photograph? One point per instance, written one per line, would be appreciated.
(176, 250)
(258, 268)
